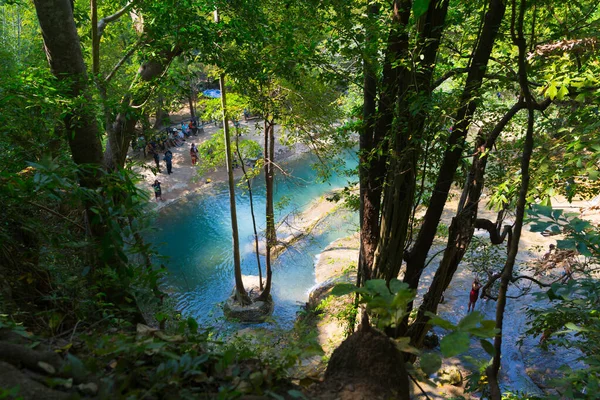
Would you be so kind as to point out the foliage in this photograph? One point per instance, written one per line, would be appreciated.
(581, 234)
(183, 362)
(571, 319)
(485, 259)
(212, 152)
(45, 203)
(388, 305)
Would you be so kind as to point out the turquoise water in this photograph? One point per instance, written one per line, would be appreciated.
(195, 235)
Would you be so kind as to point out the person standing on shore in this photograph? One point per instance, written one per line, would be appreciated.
(194, 154)
(169, 161)
(473, 295)
(157, 190)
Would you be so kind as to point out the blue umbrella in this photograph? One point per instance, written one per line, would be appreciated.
(214, 93)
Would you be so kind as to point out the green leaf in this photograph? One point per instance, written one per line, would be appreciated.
(420, 7)
(540, 226)
(552, 91)
(378, 286)
(552, 295)
(573, 327)
(562, 92)
(556, 213)
(76, 367)
(471, 320)
(488, 347)
(397, 285)
(580, 225)
(583, 249)
(538, 209)
(430, 363)
(454, 344)
(342, 289)
(192, 324)
(438, 321)
(403, 344)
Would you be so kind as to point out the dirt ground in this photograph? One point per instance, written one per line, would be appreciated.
(185, 178)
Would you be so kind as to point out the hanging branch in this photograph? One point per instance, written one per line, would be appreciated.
(111, 18)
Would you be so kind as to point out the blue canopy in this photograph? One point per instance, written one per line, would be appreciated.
(214, 93)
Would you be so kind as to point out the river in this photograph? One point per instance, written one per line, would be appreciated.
(194, 235)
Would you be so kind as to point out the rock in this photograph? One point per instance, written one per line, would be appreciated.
(451, 375)
(320, 291)
(244, 387)
(88, 389)
(431, 340)
(256, 312)
(368, 359)
(19, 384)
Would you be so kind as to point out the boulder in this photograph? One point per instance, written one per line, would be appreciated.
(451, 375)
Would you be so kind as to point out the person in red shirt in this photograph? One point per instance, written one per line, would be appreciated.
(474, 294)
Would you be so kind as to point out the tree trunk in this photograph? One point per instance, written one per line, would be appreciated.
(241, 295)
(461, 229)
(371, 168)
(95, 39)
(507, 272)
(413, 85)
(63, 50)
(251, 197)
(121, 132)
(162, 116)
(191, 101)
(271, 235)
(377, 143)
(415, 259)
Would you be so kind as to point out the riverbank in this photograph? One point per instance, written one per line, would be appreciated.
(186, 178)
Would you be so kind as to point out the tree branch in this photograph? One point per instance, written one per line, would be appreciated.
(495, 236)
(539, 283)
(121, 62)
(449, 75)
(56, 214)
(111, 18)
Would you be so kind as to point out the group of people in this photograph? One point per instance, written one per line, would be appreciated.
(168, 159)
(173, 138)
(170, 137)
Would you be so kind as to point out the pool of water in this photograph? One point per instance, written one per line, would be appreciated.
(195, 236)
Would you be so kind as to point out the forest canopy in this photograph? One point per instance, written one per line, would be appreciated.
(491, 104)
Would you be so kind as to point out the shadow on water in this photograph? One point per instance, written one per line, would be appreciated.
(195, 235)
